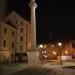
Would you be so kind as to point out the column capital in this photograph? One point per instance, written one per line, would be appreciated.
(33, 4)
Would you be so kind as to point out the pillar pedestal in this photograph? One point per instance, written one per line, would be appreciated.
(33, 58)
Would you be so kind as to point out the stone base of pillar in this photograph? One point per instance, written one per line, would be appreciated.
(33, 58)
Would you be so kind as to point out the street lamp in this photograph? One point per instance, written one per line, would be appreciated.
(41, 46)
(60, 45)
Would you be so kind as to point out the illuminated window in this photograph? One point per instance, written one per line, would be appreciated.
(52, 46)
(4, 43)
(44, 51)
(44, 46)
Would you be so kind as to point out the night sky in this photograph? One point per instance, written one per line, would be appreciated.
(55, 19)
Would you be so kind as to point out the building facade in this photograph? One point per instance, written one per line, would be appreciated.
(55, 50)
(7, 42)
(23, 38)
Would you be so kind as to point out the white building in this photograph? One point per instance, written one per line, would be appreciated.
(23, 39)
(7, 41)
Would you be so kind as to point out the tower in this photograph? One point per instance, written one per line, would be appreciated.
(33, 6)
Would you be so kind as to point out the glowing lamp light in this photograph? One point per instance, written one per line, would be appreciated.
(59, 44)
(44, 51)
(41, 46)
(45, 56)
(44, 46)
(66, 52)
(54, 52)
(52, 46)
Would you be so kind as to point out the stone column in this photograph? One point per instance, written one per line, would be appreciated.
(33, 53)
(33, 24)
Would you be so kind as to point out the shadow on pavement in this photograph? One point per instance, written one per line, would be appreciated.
(35, 71)
(69, 67)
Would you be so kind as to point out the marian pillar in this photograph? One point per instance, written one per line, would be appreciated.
(33, 6)
(33, 53)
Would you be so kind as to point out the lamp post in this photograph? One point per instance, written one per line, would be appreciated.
(60, 45)
(0, 57)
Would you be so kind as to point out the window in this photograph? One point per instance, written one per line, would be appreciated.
(21, 30)
(16, 21)
(13, 33)
(13, 16)
(4, 43)
(12, 45)
(5, 30)
(21, 47)
(21, 22)
(21, 38)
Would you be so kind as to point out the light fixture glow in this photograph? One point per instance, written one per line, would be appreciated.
(41, 46)
(66, 52)
(54, 53)
(59, 44)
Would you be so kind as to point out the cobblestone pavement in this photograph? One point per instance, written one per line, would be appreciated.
(35, 71)
(8, 69)
(45, 69)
